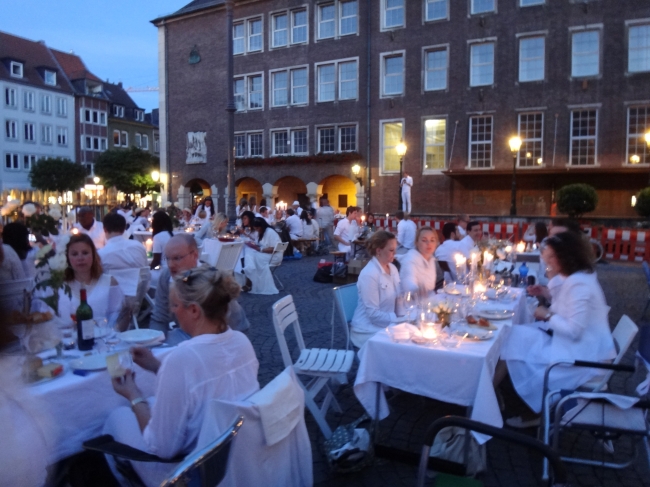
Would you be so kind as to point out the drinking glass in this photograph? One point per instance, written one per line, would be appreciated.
(410, 301)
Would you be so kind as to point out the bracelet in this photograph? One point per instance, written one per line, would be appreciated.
(548, 316)
(137, 401)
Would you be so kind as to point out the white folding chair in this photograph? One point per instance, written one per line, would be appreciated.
(228, 257)
(318, 363)
(276, 261)
(346, 299)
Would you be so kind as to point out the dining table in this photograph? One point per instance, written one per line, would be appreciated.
(459, 372)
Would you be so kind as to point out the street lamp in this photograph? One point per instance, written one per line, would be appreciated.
(356, 169)
(155, 175)
(515, 145)
(401, 151)
(96, 179)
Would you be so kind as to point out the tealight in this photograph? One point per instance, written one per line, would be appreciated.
(521, 246)
(429, 330)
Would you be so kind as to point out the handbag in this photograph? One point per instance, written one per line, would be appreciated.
(450, 445)
(349, 449)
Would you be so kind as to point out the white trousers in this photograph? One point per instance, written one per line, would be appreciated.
(406, 201)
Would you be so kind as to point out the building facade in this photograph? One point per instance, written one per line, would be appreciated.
(320, 86)
(37, 110)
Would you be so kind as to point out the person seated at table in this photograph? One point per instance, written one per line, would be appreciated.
(257, 261)
(378, 286)
(11, 267)
(126, 211)
(309, 230)
(418, 267)
(241, 207)
(252, 204)
(186, 217)
(215, 228)
(347, 230)
(267, 215)
(215, 363)
(86, 224)
(449, 247)
(536, 233)
(141, 221)
(246, 227)
(16, 236)
(575, 327)
(162, 230)
(293, 224)
(314, 222)
(208, 206)
(370, 222)
(471, 240)
(461, 226)
(406, 230)
(119, 252)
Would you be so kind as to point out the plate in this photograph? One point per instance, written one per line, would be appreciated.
(495, 314)
(456, 290)
(476, 335)
(89, 362)
(140, 336)
(42, 380)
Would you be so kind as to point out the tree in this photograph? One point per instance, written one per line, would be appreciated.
(57, 174)
(129, 170)
(577, 199)
(642, 206)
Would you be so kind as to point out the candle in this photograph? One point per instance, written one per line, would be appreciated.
(460, 260)
(429, 331)
(148, 245)
(521, 246)
(363, 218)
(508, 249)
(487, 260)
(479, 287)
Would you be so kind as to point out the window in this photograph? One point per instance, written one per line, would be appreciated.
(480, 142)
(436, 64)
(255, 93)
(118, 111)
(156, 144)
(138, 140)
(11, 129)
(28, 162)
(638, 124)
(326, 21)
(435, 144)
(145, 141)
(348, 139)
(30, 132)
(49, 77)
(88, 142)
(280, 84)
(392, 133)
(392, 13)
(138, 115)
(327, 139)
(299, 141)
(102, 118)
(10, 97)
(46, 134)
(337, 138)
(531, 132)
(481, 71)
(238, 38)
(255, 42)
(436, 10)
(585, 53)
(299, 26)
(61, 107)
(482, 6)
(638, 56)
(289, 87)
(249, 93)
(529, 3)
(12, 161)
(103, 144)
(116, 138)
(88, 116)
(348, 18)
(240, 145)
(240, 94)
(124, 139)
(256, 145)
(337, 80)
(16, 69)
(392, 66)
(95, 117)
(531, 58)
(280, 143)
(29, 97)
(584, 130)
(279, 29)
(299, 94)
(62, 136)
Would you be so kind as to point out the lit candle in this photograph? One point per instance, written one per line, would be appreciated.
(479, 287)
(460, 260)
(148, 245)
(508, 249)
(363, 218)
(487, 260)
(521, 246)
(429, 331)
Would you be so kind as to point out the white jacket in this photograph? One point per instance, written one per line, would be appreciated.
(416, 272)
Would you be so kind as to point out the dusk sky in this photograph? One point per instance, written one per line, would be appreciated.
(115, 39)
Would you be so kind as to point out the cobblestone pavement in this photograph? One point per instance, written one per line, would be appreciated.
(508, 465)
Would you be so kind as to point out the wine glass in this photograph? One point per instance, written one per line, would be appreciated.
(410, 300)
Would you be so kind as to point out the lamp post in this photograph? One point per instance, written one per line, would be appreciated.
(231, 109)
(647, 142)
(356, 170)
(401, 151)
(515, 145)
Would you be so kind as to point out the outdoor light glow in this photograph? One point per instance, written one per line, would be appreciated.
(515, 144)
(635, 159)
(633, 202)
(155, 175)
(647, 138)
(356, 169)
(539, 161)
(529, 155)
(401, 149)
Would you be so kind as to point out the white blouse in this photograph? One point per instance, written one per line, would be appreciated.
(417, 273)
(270, 239)
(378, 291)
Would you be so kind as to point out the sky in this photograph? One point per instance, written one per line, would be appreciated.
(115, 39)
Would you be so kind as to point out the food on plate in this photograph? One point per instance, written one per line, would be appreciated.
(471, 320)
(50, 370)
(480, 323)
(30, 367)
(483, 322)
(18, 318)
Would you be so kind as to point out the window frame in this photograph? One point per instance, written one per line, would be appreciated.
(339, 128)
(319, 22)
(249, 134)
(645, 155)
(382, 147)
(472, 11)
(339, 20)
(145, 142)
(573, 31)
(246, 79)
(482, 42)
(137, 140)
(49, 77)
(425, 51)
(528, 36)
(116, 133)
(16, 64)
(382, 74)
(29, 160)
(318, 129)
(629, 25)
(290, 86)
(337, 79)
(47, 134)
(383, 10)
(14, 161)
(293, 26)
(61, 107)
(470, 143)
(124, 138)
(62, 134)
(533, 140)
(573, 110)
(424, 145)
(11, 130)
(249, 35)
(425, 11)
(29, 132)
(29, 101)
(11, 97)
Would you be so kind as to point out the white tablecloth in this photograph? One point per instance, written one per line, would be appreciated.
(79, 405)
(460, 375)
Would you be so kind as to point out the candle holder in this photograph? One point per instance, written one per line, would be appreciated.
(430, 330)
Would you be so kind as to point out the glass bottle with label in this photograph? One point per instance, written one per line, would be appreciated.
(85, 324)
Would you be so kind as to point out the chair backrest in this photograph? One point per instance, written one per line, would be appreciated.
(278, 254)
(12, 293)
(209, 462)
(346, 299)
(143, 287)
(227, 260)
(285, 314)
(646, 271)
(446, 268)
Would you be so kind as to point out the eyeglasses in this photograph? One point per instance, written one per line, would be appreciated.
(178, 258)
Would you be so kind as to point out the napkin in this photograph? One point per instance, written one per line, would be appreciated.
(403, 331)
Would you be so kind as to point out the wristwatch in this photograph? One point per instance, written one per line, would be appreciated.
(137, 401)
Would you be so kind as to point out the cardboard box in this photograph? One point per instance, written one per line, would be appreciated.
(356, 265)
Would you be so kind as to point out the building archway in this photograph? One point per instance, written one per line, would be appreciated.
(194, 191)
(340, 191)
(247, 187)
(292, 189)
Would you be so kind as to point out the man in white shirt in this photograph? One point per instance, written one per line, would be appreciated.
(406, 184)
(347, 230)
(406, 230)
(294, 225)
(119, 252)
(296, 208)
(461, 229)
(470, 242)
(325, 217)
(95, 230)
(268, 217)
(127, 213)
(447, 249)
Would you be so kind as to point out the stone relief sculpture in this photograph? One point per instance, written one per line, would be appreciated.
(197, 151)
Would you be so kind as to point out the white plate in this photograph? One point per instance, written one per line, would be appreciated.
(495, 314)
(456, 290)
(140, 336)
(89, 362)
(476, 334)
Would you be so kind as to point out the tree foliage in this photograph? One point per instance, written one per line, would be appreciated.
(129, 170)
(642, 206)
(577, 199)
(57, 174)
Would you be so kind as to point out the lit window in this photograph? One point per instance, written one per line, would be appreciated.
(393, 75)
(16, 69)
(482, 64)
(238, 38)
(585, 53)
(436, 9)
(348, 139)
(254, 35)
(327, 139)
(638, 124)
(50, 78)
(483, 6)
(531, 133)
(30, 132)
(280, 30)
(435, 140)
(348, 18)
(480, 142)
(298, 26)
(393, 13)
(326, 21)
(392, 134)
(531, 59)
(436, 63)
(584, 133)
(638, 57)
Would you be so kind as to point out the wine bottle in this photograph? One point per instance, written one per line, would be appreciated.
(85, 324)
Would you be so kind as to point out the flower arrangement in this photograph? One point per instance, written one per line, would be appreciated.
(10, 207)
(53, 263)
(443, 310)
(42, 223)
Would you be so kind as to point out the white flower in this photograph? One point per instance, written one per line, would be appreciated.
(56, 214)
(58, 262)
(61, 243)
(43, 251)
(29, 209)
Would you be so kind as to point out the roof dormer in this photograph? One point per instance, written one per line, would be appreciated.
(16, 69)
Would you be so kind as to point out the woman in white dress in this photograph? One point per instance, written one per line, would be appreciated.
(258, 259)
(162, 227)
(215, 363)
(418, 266)
(575, 327)
(378, 286)
(208, 207)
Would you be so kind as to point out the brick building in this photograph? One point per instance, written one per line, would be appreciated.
(320, 86)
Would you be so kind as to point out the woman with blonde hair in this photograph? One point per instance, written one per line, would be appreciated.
(212, 229)
(418, 266)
